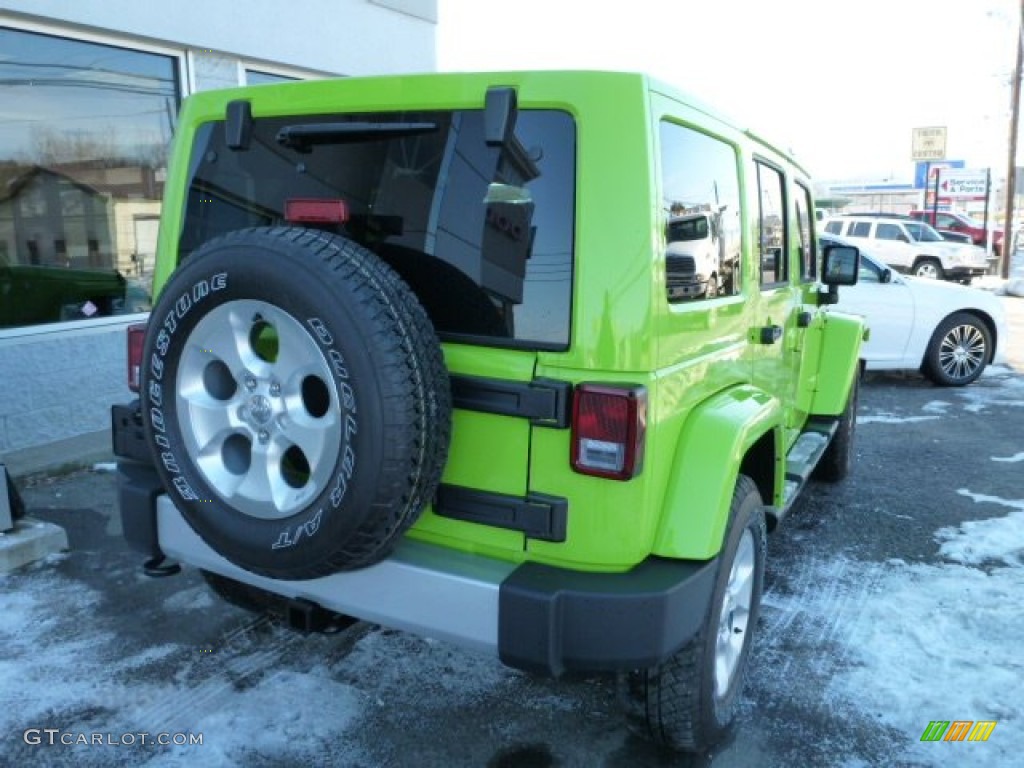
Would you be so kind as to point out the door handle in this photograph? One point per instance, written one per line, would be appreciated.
(771, 334)
(803, 320)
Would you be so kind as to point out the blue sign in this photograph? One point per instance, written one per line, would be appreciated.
(921, 170)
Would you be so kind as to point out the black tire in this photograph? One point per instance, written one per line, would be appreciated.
(296, 400)
(958, 351)
(837, 460)
(679, 703)
(928, 268)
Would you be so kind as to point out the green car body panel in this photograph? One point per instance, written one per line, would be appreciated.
(713, 390)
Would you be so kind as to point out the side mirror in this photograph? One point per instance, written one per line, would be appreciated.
(841, 265)
(886, 276)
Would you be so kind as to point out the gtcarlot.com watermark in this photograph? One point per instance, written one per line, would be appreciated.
(55, 736)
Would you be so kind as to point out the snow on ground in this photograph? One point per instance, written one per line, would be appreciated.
(1015, 458)
(885, 417)
(251, 706)
(913, 643)
(916, 642)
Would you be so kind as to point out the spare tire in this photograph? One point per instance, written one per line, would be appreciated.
(296, 401)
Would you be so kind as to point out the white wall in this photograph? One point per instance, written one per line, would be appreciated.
(59, 381)
(351, 37)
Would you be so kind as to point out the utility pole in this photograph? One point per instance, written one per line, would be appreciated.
(1011, 172)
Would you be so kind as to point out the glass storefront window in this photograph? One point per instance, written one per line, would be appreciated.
(256, 77)
(84, 133)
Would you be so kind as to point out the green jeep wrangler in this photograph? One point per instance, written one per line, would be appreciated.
(419, 357)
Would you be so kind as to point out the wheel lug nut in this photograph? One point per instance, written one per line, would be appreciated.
(275, 388)
(250, 383)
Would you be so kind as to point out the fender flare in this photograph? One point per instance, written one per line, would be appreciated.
(712, 445)
(842, 335)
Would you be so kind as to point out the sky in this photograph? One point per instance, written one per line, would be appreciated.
(842, 84)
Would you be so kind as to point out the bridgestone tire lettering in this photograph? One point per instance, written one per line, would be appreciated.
(296, 400)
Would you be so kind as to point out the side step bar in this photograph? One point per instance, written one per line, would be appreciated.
(801, 460)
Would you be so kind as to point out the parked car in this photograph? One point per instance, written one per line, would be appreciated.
(912, 247)
(947, 234)
(961, 222)
(949, 332)
(31, 294)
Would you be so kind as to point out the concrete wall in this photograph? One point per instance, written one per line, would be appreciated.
(59, 381)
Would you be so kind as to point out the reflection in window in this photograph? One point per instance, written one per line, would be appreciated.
(483, 235)
(771, 225)
(83, 142)
(701, 201)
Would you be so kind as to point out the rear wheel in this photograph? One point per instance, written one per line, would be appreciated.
(928, 268)
(689, 702)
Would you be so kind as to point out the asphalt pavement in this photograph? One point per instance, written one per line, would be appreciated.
(93, 646)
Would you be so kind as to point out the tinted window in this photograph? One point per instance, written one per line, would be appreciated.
(771, 224)
(923, 233)
(889, 232)
(83, 153)
(701, 200)
(835, 227)
(859, 229)
(482, 234)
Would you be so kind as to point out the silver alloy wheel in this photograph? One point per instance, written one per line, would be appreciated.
(962, 351)
(257, 408)
(928, 270)
(735, 614)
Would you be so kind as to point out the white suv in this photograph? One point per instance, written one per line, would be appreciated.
(912, 247)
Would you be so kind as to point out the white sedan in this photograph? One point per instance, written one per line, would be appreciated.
(949, 332)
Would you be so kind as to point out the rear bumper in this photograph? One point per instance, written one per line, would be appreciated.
(534, 617)
(964, 272)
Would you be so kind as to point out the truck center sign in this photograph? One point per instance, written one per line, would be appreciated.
(928, 143)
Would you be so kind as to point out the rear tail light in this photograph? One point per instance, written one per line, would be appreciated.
(315, 211)
(608, 428)
(136, 339)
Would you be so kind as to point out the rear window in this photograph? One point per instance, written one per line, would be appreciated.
(483, 234)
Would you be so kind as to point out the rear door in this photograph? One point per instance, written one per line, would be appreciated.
(890, 243)
(777, 334)
(482, 233)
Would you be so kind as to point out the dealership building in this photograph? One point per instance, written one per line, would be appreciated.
(89, 95)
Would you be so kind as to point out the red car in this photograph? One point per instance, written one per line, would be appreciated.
(959, 222)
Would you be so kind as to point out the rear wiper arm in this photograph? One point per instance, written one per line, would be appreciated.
(302, 137)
